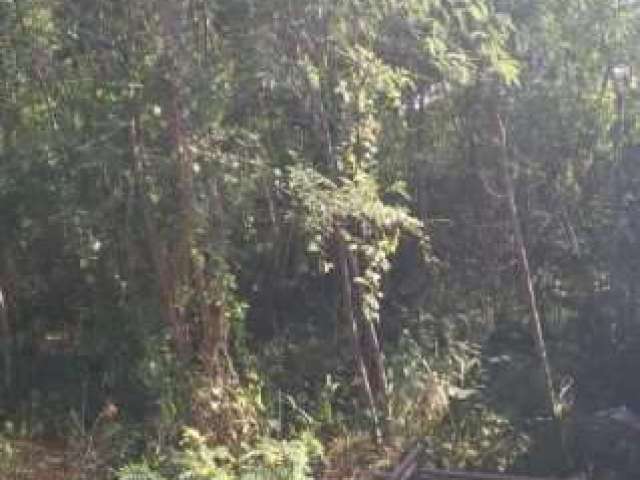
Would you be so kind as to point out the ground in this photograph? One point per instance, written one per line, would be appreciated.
(35, 460)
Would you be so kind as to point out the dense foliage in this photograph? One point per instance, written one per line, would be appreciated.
(257, 239)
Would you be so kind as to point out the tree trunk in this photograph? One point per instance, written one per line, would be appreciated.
(8, 302)
(158, 250)
(171, 260)
(373, 385)
(377, 374)
(6, 339)
(177, 262)
(535, 323)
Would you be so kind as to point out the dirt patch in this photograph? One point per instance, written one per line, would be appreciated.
(36, 460)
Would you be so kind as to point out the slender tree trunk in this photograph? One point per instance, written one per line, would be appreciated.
(376, 368)
(535, 323)
(8, 303)
(351, 313)
(6, 339)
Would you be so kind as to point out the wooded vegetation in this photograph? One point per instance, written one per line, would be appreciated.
(270, 239)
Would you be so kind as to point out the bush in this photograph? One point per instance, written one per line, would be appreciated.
(138, 471)
(268, 459)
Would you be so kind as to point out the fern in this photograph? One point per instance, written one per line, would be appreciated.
(138, 471)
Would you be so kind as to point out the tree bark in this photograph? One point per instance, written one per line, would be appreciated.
(158, 250)
(535, 323)
(5, 338)
(170, 259)
(373, 385)
(8, 286)
(176, 260)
